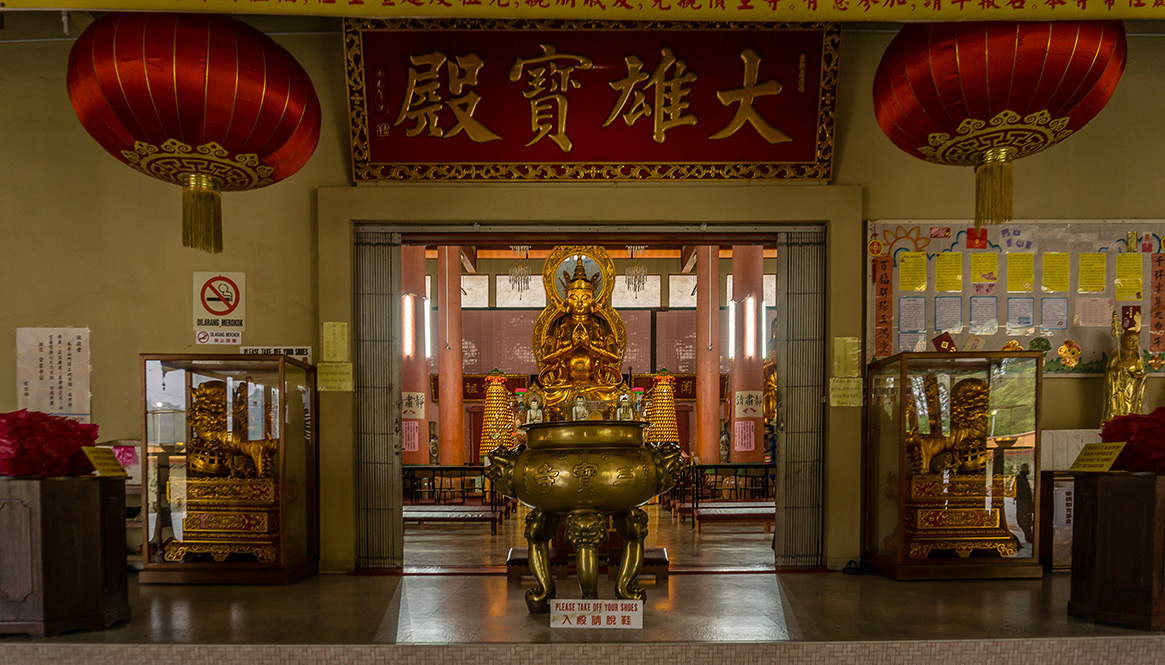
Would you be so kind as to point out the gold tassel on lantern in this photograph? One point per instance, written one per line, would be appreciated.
(993, 185)
(201, 213)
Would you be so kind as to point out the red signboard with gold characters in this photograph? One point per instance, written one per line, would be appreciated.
(435, 101)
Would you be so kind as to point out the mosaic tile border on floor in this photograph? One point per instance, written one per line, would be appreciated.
(1146, 650)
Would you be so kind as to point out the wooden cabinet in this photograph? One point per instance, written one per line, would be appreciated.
(1118, 549)
(62, 554)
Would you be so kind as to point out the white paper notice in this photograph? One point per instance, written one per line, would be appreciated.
(52, 371)
(1054, 313)
(948, 314)
(1094, 312)
(1019, 315)
(911, 314)
(984, 315)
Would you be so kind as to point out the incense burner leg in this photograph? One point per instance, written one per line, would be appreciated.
(631, 525)
(540, 528)
(586, 530)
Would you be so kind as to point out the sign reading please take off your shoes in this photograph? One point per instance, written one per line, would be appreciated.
(432, 102)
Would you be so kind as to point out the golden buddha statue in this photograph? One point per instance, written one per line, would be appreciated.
(578, 338)
(1124, 376)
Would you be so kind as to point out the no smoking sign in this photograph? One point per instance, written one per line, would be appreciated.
(220, 305)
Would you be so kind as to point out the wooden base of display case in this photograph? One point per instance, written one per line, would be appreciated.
(1118, 549)
(955, 569)
(220, 573)
(62, 555)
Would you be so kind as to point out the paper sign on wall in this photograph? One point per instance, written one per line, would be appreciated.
(745, 439)
(335, 341)
(412, 405)
(410, 435)
(52, 371)
(220, 301)
(336, 377)
(748, 404)
(845, 391)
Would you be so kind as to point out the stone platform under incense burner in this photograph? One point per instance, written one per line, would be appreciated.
(584, 473)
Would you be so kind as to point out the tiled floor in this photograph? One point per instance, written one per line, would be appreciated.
(431, 619)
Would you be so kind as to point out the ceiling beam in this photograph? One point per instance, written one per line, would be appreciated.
(469, 258)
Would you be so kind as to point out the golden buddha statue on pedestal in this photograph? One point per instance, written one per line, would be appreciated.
(579, 338)
(1124, 375)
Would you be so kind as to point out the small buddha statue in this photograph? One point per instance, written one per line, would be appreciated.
(534, 413)
(580, 411)
(624, 410)
(1124, 376)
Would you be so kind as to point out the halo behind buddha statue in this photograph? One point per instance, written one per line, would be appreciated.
(579, 339)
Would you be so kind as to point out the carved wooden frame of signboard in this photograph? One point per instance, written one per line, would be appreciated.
(362, 93)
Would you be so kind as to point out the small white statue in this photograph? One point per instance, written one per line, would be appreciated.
(580, 410)
(534, 413)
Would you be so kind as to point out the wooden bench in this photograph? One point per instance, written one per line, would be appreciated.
(456, 513)
(518, 563)
(736, 511)
(655, 563)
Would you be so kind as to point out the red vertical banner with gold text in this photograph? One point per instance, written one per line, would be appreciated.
(591, 104)
(1157, 303)
(883, 307)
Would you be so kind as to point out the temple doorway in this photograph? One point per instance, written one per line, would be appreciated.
(501, 297)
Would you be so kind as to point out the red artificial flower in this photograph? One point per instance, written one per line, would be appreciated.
(38, 444)
(1144, 437)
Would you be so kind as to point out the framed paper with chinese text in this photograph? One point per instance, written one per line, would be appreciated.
(525, 101)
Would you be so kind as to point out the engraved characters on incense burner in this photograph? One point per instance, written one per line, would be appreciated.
(231, 490)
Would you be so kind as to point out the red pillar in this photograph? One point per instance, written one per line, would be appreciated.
(451, 414)
(414, 365)
(747, 364)
(707, 444)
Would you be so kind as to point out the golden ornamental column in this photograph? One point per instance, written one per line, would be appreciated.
(450, 411)
(747, 365)
(662, 415)
(497, 427)
(708, 417)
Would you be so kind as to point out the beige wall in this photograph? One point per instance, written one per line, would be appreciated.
(89, 242)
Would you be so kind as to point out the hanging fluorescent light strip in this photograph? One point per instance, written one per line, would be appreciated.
(428, 331)
(409, 316)
(731, 329)
(764, 338)
(750, 327)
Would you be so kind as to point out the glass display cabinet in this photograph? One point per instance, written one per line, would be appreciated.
(230, 452)
(951, 465)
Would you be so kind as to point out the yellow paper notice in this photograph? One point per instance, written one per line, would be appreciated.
(104, 461)
(948, 271)
(847, 356)
(845, 391)
(1097, 457)
(1021, 272)
(1056, 272)
(1129, 268)
(1093, 272)
(912, 271)
(336, 377)
(984, 267)
(335, 341)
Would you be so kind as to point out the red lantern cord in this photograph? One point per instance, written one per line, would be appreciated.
(200, 100)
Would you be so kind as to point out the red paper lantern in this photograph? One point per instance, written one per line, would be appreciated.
(200, 100)
(983, 93)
